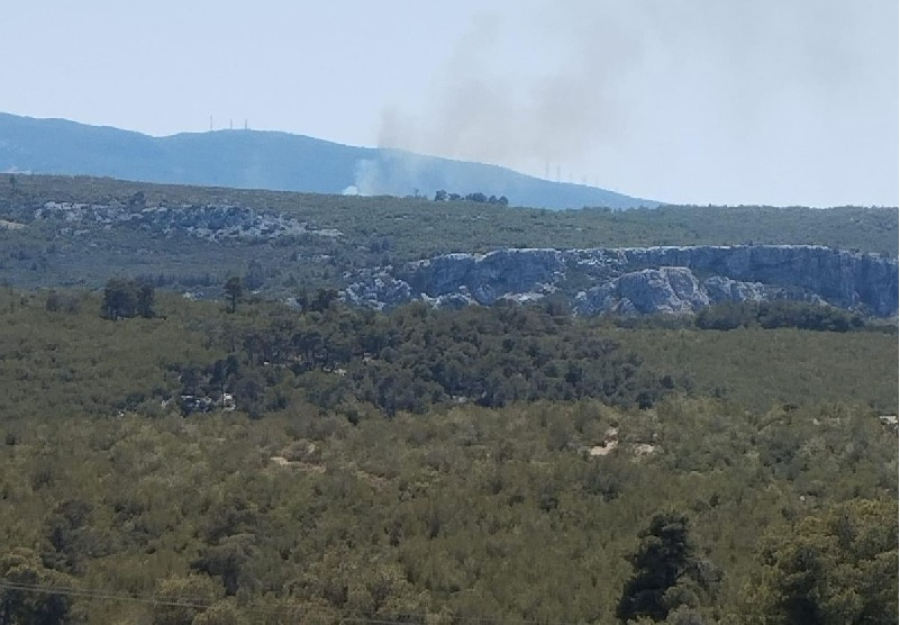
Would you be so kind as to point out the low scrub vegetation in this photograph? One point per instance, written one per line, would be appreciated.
(362, 472)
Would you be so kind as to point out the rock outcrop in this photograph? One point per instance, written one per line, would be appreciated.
(213, 223)
(639, 280)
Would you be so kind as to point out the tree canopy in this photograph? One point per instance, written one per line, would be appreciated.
(838, 566)
(668, 572)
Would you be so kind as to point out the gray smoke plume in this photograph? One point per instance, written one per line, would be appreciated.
(391, 173)
(715, 97)
(484, 109)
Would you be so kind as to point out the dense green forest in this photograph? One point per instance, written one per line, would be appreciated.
(339, 234)
(181, 447)
(236, 461)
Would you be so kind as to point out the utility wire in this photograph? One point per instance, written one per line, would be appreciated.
(201, 604)
(298, 610)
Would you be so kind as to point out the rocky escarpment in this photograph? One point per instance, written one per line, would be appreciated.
(639, 280)
(213, 223)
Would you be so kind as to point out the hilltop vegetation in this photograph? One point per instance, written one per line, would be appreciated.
(285, 240)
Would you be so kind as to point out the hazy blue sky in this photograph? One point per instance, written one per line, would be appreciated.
(723, 101)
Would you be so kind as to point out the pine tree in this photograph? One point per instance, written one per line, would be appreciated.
(667, 572)
(234, 288)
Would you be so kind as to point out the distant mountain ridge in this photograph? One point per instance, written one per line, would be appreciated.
(273, 160)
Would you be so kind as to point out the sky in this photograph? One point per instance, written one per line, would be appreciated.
(778, 102)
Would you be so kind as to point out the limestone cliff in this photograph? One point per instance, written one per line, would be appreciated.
(640, 280)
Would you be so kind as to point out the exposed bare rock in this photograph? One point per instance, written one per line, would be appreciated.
(213, 223)
(640, 280)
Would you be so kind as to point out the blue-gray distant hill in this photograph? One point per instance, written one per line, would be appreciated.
(272, 160)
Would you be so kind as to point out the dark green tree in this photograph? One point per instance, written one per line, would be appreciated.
(255, 277)
(229, 560)
(838, 566)
(70, 538)
(138, 199)
(303, 299)
(119, 299)
(23, 598)
(184, 600)
(324, 299)
(234, 288)
(53, 302)
(667, 572)
(146, 299)
(122, 299)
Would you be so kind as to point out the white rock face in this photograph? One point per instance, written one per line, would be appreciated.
(667, 289)
(640, 280)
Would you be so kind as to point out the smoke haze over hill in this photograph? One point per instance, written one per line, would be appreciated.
(269, 160)
(692, 101)
(679, 88)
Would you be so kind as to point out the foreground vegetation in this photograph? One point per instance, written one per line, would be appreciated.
(235, 460)
(499, 465)
(470, 513)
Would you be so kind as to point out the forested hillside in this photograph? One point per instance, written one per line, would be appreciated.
(251, 159)
(58, 230)
(197, 430)
(236, 460)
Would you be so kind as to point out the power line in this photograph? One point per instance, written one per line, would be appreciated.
(297, 609)
(103, 595)
(201, 604)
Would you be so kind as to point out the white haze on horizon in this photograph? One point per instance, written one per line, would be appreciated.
(780, 102)
(791, 102)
